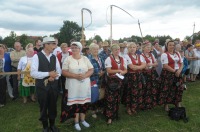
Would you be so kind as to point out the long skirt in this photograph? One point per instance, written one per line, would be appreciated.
(151, 88)
(134, 94)
(69, 111)
(124, 89)
(112, 100)
(171, 88)
(3, 91)
(26, 91)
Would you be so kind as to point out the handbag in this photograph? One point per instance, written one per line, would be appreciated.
(101, 93)
(178, 113)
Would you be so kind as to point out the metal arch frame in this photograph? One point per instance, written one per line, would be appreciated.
(90, 16)
(111, 21)
(82, 36)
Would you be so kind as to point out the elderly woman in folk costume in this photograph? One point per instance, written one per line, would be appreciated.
(77, 69)
(151, 76)
(96, 79)
(171, 88)
(134, 94)
(27, 83)
(115, 66)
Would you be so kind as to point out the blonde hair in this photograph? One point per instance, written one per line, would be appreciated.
(28, 46)
(131, 44)
(3, 46)
(63, 44)
(93, 45)
(145, 45)
(114, 46)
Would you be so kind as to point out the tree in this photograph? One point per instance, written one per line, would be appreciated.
(24, 40)
(98, 38)
(69, 30)
(149, 37)
(136, 38)
(1, 39)
(89, 41)
(196, 36)
(10, 40)
(162, 39)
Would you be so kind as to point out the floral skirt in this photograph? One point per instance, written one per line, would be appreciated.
(171, 88)
(134, 94)
(26, 91)
(150, 89)
(69, 111)
(112, 100)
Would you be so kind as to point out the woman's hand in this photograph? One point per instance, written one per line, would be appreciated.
(135, 67)
(101, 73)
(177, 74)
(149, 65)
(81, 77)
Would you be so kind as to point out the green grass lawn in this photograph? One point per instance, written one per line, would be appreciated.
(19, 117)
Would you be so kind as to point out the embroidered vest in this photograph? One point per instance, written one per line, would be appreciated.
(171, 62)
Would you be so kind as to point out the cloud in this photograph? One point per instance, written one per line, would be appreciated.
(157, 17)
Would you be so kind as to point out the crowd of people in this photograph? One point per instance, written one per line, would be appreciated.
(98, 77)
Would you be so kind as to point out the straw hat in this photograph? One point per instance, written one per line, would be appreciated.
(122, 45)
(105, 44)
(47, 40)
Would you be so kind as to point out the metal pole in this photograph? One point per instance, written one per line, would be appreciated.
(140, 30)
(111, 25)
(193, 32)
(82, 35)
(194, 28)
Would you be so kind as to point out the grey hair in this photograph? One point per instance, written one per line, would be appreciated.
(93, 45)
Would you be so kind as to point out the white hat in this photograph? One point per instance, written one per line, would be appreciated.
(48, 40)
(77, 44)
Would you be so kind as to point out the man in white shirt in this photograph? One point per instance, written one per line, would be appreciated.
(57, 50)
(46, 71)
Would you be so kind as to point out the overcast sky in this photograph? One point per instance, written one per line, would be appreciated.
(45, 17)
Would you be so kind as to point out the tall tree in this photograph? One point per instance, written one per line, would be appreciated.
(1, 39)
(162, 39)
(98, 38)
(24, 40)
(69, 30)
(10, 40)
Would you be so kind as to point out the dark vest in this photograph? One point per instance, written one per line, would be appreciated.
(46, 66)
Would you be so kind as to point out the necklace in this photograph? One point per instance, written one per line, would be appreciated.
(134, 57)
(118, 62)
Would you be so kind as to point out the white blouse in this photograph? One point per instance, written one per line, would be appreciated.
(164, 59)
(79, 91)
(150, 59)
(130, 62)
(108, 63)
(22, 63)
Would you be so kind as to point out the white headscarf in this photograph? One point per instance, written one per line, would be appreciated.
(78, 44)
